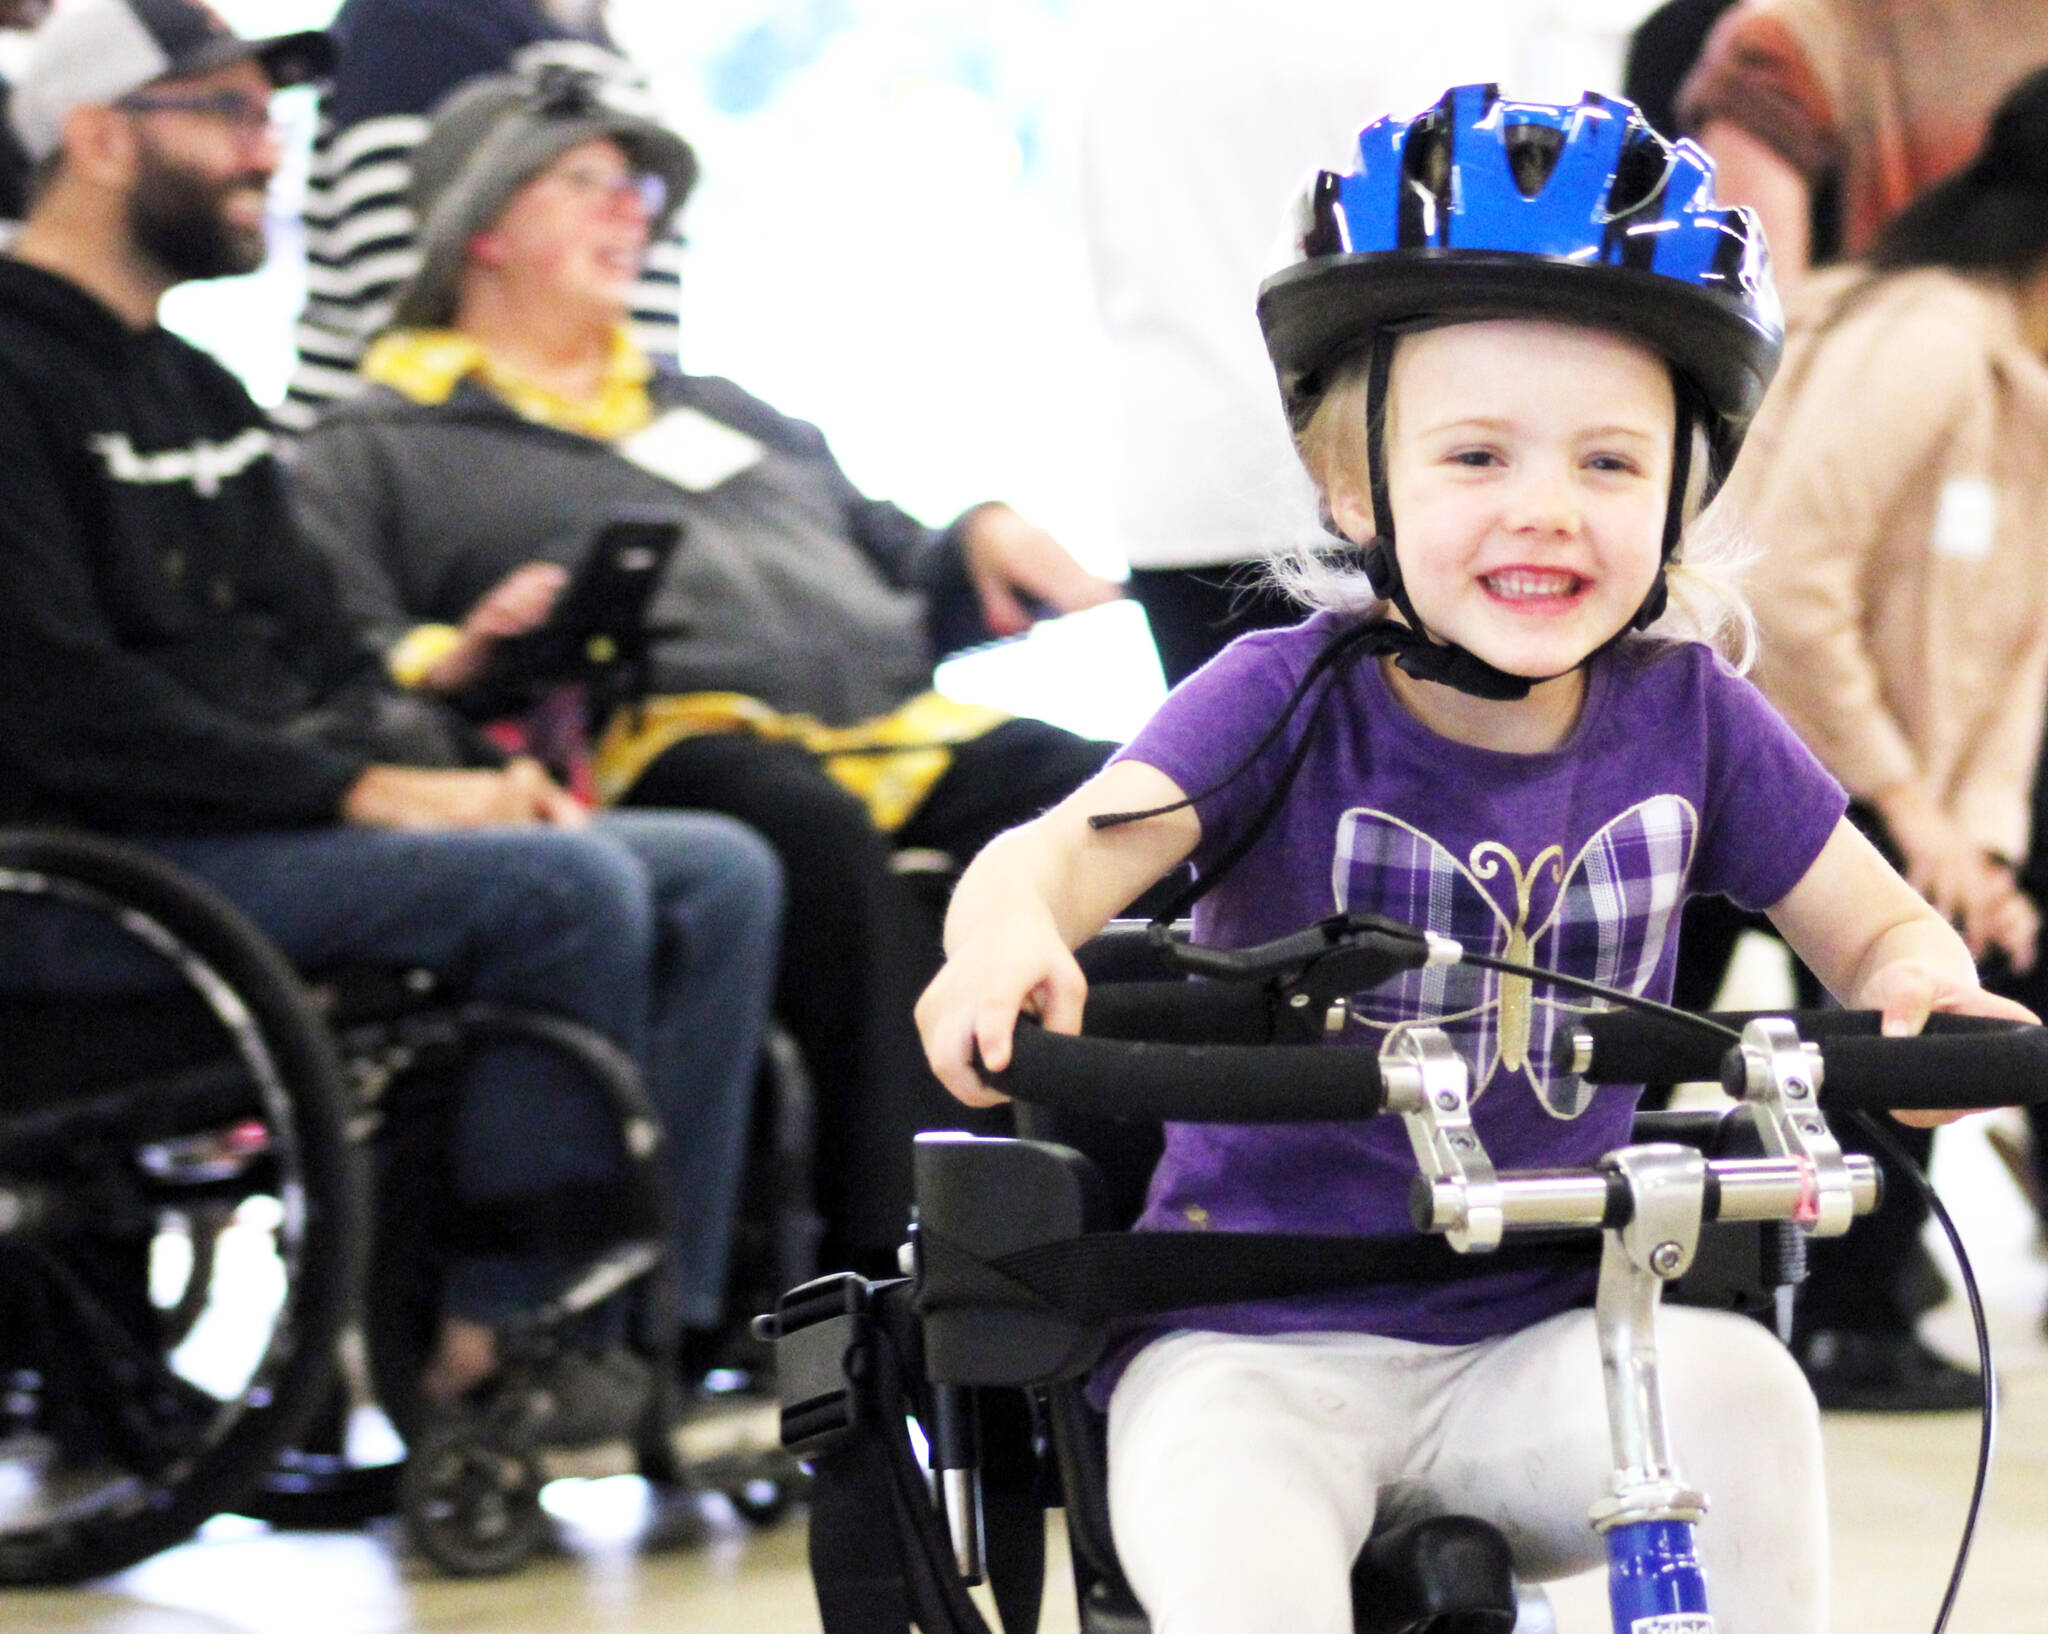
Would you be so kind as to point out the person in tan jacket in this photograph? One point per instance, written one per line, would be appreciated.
(1896, 485)
(1897, 481)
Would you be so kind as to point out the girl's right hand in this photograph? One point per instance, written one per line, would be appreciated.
(972, 1005)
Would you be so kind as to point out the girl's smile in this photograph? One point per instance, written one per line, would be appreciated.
(1537, 590)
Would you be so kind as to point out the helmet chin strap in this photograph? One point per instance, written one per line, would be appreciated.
(1415, 651)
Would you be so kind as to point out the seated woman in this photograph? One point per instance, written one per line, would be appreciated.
(1899, 472)
(512, 415)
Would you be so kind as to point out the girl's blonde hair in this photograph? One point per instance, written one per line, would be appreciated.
(1704, 574)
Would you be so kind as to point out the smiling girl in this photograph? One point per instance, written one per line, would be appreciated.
(1527, 336)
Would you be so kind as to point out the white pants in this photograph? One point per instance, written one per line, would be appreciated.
(1246, 1474)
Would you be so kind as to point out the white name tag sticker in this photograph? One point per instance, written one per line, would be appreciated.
(1674, 1622)
(689, 448)
(1966, 518)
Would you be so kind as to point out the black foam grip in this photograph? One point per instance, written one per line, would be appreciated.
(1630, 1047)
(1180, 1012)
(1191, 1083)
(1950, 1069)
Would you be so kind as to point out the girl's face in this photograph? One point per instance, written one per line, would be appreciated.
(1529, 468)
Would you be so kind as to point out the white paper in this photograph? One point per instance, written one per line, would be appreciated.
(1966, 519)
(689, 448)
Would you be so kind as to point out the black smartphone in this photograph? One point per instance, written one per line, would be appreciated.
(600, 618)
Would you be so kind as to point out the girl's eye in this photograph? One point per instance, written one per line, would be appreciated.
(1611, 462)
(1476, 458)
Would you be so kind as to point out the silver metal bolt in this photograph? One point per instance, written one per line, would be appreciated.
(1795, 1089)
(1299, 1001)
(1666, 1258)
(1812, 1126)
(1461, 1143)
(1447, 1102)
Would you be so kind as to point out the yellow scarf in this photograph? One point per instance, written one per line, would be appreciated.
(888, 763)
(428, 364)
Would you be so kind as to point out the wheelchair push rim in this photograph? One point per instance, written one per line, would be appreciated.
(179, 1246)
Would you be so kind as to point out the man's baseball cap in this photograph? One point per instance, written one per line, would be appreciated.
(95, 52)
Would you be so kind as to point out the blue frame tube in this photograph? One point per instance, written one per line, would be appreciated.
(1655, 1583)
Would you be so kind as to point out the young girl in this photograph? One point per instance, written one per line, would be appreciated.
(1511, 344)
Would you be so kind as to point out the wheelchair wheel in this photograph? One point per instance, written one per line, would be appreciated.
(470, 1497)
(180, 1224)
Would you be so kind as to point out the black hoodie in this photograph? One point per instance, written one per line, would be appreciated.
(167, 640)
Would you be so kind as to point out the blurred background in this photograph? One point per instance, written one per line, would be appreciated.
(887, 241)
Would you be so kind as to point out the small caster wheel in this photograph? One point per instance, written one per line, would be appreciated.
(472, 1505)
(761, 1501)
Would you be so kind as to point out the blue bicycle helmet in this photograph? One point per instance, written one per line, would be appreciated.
(1482, 207)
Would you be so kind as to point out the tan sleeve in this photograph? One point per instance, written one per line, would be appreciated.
(1779, 70)
(1860, 441)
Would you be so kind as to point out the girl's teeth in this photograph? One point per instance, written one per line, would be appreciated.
(1532, 584)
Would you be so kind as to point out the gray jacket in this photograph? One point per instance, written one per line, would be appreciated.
(791, 586)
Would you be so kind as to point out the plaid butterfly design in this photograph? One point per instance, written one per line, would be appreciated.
(1607, 914)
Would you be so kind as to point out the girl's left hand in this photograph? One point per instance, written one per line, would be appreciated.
(1908, 991)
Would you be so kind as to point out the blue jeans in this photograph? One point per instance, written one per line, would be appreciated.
(657, 929)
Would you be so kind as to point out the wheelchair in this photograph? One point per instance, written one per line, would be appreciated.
(950, 1401)
(212, 1175)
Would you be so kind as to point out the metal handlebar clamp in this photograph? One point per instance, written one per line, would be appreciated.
(1427, 1082)
(1779, 1075)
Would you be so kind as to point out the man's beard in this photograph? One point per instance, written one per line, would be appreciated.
(178, 218)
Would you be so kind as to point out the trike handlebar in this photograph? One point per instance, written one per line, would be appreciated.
(1189, 1052)
(1957, 1062)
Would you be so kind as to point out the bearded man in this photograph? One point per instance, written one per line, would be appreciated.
(177, 668)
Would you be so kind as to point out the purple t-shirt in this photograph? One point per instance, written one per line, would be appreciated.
(1677, 779)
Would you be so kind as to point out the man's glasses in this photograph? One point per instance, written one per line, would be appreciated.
(243, 114)
(614, 187)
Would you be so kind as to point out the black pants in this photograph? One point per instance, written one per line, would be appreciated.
(859, 943)
(1195, 612)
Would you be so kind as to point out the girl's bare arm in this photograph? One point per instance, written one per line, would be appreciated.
(1031, 897)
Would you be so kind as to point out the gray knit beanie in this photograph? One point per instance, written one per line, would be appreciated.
(488, 140)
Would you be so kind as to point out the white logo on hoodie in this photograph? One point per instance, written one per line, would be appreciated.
(205, 465)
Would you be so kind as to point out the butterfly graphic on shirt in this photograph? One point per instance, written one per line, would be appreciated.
(1608, 913)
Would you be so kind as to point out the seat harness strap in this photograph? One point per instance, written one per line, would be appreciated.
(1105, 1276)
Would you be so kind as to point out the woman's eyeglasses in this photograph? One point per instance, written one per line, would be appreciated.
(614, 187)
